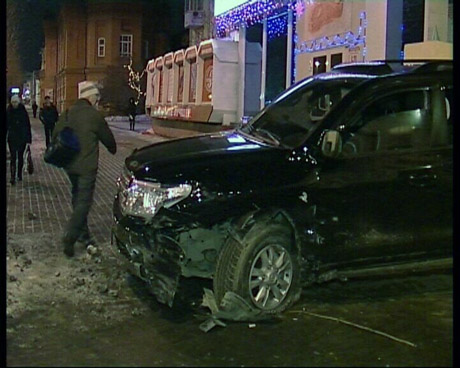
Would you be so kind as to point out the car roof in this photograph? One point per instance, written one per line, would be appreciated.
(388, 67)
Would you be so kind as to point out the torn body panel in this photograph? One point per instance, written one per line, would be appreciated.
(161, 251)
(159, 265)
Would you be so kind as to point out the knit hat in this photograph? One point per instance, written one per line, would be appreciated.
(86, 89)
(15, 98)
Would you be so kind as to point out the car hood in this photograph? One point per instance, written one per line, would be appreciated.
(195, 153)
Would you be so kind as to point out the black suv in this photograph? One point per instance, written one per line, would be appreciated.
(344, 172)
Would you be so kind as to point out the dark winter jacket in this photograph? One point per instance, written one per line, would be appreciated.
(132, 108)
(90, 127)
(48, 115)
(18, 126)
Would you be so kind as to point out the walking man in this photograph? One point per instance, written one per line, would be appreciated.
(34, 108)
(91, 128)
(48, 116)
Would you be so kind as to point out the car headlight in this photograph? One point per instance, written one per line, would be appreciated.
(145, 199)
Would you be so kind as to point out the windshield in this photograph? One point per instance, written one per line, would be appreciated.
(293, 115)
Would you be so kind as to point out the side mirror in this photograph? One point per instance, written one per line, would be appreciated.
(331, 145)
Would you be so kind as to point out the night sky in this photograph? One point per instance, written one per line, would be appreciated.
(30, 30)
(32, 12)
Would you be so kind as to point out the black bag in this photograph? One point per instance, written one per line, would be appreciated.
(63, 148)
(28, 163)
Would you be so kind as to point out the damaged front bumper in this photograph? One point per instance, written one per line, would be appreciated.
(153, 258)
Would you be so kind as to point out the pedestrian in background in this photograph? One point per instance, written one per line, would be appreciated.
(132, 113)
(91, 128)
(48, 116)
(34, 108)
(18, 135)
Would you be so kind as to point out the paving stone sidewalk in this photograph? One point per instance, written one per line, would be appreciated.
(41, 203)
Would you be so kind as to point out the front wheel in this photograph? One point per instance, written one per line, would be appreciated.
(262, 268)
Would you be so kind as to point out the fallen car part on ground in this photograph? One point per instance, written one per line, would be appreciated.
(232, 308)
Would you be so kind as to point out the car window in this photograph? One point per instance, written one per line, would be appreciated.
(292, 117)
(398, 121)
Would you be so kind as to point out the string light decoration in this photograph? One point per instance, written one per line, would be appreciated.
(249, 14)
(277, 26)
(255, 12)
(134, 80)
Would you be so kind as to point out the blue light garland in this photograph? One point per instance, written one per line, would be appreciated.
(254, 12)
(249, 14)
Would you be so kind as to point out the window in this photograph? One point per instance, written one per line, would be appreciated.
(319, 65)
(101, 47)
(193, 5)
(336, 59)
(299, 111)
(399, 121)
(126, 43)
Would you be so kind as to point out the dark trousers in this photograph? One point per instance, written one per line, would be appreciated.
(48, 133)
(132, 122)
(82, 197)
(17, 158)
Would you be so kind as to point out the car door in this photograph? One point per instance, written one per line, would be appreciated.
(378, 194)
(434, 184)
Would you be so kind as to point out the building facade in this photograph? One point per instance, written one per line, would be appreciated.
(199, 20)
(89, 40)
(315, 36)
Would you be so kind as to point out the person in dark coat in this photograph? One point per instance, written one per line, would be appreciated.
(48, 116)
(91, 128)
(132, 113)
(18, 135)
(34, 108)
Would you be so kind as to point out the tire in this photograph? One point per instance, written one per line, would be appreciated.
(262, 268)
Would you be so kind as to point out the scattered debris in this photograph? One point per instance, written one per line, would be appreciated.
(13, 278)
(92, 250)
(252, 325)
(27, 262)
(232, 308)
(79, 282)
(32, 216)
(103, 289)
(136, 312)
(113, 293)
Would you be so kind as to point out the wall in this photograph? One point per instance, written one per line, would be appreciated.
(436, 20)
(49, 59)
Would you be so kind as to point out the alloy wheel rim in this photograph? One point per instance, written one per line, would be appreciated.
(270, 277)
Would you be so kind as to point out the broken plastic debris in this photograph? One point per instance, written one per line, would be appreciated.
(91, 249)
(31, 216)
(232, 308)
(252, 325)
(210, 323)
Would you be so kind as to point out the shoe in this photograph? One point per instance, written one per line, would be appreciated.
(68, 250)
(86, 240)
(12, 182)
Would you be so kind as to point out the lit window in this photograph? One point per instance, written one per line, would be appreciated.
(101, 47)
(126, 43)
